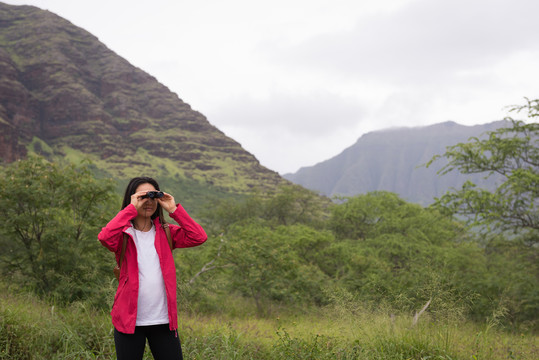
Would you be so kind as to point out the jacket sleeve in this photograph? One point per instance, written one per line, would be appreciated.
(189, 233)
(112, 234)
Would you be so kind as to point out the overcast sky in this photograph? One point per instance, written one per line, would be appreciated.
(298, 81)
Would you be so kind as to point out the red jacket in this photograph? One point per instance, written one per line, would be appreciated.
(188, 234)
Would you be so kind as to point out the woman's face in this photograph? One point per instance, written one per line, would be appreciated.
(148, 205)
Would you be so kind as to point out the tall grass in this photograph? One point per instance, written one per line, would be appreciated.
(33, 329)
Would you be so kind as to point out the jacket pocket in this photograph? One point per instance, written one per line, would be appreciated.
(121, 287)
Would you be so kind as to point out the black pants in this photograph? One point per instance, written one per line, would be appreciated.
(164, 344)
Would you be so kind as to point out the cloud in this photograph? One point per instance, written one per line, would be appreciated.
(296, 82)
(286, 131)
(313, 114)
(415, 64)
(423, 39)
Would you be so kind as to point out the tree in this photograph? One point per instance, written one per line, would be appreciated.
(508, 215)
(392, 251)
(513, 153)
(51, 215)
(379, 212)
(288, 205)
(276, 264)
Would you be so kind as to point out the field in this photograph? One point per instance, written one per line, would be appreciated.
(33, 329)
(286, 276)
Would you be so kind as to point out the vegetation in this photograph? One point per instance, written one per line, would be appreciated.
(289, 274)
(286, 274)
(513, 153)
(33, 329)
(52, 213)
(508, 217)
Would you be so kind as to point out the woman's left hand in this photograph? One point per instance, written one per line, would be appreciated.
(167, 202)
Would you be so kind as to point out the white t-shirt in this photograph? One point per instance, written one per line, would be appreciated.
(152, 297)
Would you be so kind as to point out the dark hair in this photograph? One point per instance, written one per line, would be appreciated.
(132, 188)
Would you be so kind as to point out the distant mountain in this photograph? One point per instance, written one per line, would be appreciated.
(392, 160)
(64, 94)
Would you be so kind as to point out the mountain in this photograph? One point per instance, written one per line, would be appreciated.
(392, 160)
(65, 95)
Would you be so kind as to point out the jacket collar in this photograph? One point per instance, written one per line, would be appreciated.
(129, 229)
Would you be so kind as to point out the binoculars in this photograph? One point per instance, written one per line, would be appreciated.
(153, 195)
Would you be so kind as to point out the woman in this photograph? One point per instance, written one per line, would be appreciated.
(145, 302)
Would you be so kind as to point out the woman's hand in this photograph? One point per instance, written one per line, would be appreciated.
(167, 202)
(137, 200)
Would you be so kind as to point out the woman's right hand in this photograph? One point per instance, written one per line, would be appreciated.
(136, 199)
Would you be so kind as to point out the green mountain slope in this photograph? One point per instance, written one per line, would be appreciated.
(392, 160)
(66, 95)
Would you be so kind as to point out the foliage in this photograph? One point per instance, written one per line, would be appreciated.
(288, 205)
(511, 152)
(51, 215)
(34, 329)
(286, 252)
(393, 251)
(508, 217)
(510, 283)
(276, 264)
(377, 213)
(376, 249)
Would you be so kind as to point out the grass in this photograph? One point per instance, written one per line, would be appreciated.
(362, 336)
(34, 329)
(31, 329)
